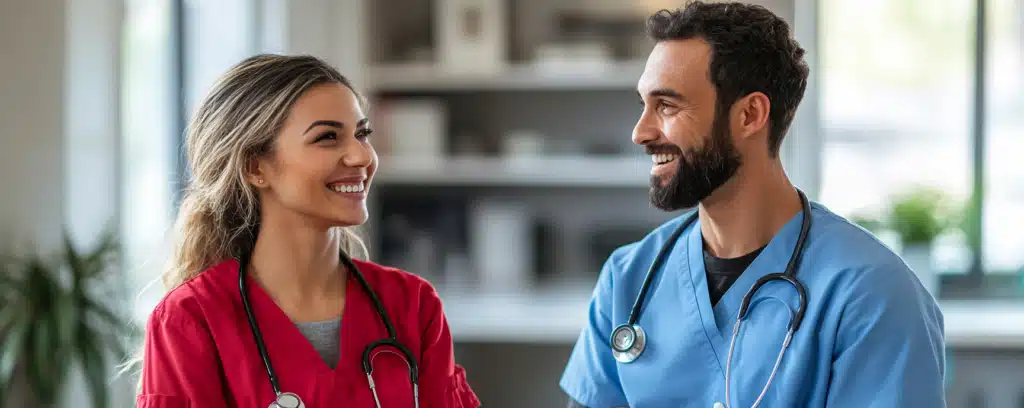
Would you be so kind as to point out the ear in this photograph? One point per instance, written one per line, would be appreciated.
(751, 114)
(254, 173)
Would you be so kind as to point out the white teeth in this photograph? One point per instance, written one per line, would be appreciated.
(347, 188)
(662, 158)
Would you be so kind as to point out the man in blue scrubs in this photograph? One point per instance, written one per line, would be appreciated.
(719, 92)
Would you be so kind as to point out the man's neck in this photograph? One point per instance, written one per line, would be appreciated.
(746, 213)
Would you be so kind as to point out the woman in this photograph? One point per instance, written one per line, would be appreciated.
(281, 163)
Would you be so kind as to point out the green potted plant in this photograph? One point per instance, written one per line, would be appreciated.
(56, 313)
(918, 217)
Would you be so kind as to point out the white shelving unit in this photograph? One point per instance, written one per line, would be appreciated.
(537, 172)
(520, 77)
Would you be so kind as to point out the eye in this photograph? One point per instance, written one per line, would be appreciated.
(666, 109)
(363, 133)
(329, 135)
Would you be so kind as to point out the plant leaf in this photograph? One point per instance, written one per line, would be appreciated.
(74, 261)
(48, 339)
(12, 351)
(91, 355)
(7, 281)
(9, 317)
(41, 361)
(97, 261)
(104, 313)
(113, 338)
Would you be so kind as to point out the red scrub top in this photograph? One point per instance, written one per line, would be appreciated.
(200, 352)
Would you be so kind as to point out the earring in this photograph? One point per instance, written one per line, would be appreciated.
(259, 181)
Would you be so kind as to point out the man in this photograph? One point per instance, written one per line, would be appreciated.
(719, 91)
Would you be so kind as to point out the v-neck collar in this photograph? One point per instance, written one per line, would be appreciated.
(719, 319)
(289, 349)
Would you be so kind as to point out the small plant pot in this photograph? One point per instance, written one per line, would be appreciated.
(919, 258)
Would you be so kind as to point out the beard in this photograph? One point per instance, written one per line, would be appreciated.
(699, 171)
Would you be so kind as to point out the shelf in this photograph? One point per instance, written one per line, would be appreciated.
(984, 325)
(549, 317)
(557, 316)
(538, 172)
(523, 77)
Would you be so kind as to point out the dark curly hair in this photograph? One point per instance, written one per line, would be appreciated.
(752, 50)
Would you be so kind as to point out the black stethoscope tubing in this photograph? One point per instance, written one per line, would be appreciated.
(636, 333)
(391, 340)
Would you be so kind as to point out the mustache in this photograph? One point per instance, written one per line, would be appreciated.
(663, 149)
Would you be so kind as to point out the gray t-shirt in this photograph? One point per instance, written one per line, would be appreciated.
(324, 336)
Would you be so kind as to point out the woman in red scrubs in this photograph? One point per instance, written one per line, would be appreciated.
(265, 303)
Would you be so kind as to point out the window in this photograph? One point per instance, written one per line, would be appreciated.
(148, 121)
(173, 50)
(218, 34)
(896, 102)
(917, 100)
(1002, 241)
(215, 35)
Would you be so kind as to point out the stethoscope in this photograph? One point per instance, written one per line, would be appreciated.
(291, 400)
(629, 340)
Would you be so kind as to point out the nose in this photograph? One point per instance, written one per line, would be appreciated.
(357, 154)
(645, 131)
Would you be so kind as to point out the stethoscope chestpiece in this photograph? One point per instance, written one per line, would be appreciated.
(287, 400)
(628, 342)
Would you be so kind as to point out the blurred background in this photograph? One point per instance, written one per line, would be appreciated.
(507, 173)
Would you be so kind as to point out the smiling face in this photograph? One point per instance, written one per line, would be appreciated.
(687, 135)
(321, 162)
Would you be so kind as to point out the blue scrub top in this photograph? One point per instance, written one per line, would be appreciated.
(872, 336)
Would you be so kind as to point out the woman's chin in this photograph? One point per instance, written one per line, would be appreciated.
(349, 217)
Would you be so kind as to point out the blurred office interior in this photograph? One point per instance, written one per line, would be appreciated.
(507, 173)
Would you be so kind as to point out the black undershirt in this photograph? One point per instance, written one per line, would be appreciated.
(721, 273)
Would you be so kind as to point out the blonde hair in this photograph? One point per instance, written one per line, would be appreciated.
(237, 122)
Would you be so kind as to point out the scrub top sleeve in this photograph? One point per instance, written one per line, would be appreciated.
(180, 368)
(591, 376)
(443, 383)
(889, 348)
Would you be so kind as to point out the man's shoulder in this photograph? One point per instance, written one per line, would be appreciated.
(859, 265)
(837, 243)
(832, 228)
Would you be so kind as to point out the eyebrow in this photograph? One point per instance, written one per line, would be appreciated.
(333, 123)
(667, 93)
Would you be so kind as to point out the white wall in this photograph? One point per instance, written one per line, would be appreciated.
(33, 50)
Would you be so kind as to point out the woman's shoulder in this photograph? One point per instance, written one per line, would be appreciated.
(402, 291)
(392, 276)
(187, 303)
